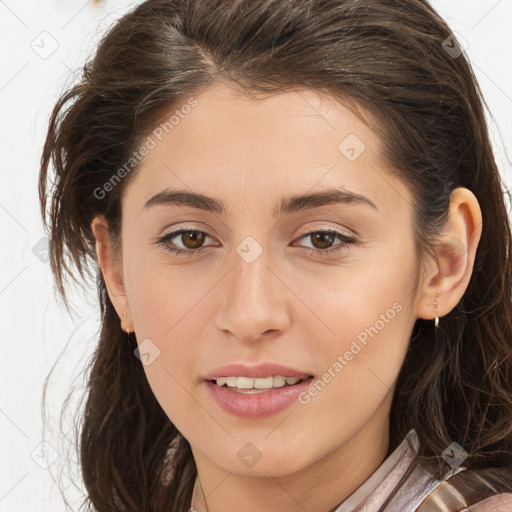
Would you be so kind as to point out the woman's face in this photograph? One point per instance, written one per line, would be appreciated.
(324, 286)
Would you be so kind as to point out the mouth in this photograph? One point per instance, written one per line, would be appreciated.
(248, 385)
(259, 397)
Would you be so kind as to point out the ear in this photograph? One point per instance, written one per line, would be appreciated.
(109, 262)
(446, 278)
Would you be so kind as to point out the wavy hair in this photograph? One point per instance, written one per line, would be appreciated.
(388, 57)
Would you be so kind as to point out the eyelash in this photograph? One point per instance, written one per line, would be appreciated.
(346, 241)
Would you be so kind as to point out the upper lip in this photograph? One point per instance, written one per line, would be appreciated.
(258, 371)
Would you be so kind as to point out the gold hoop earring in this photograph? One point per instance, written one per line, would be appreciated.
(436, 319)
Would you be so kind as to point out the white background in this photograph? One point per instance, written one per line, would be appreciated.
(42, 42)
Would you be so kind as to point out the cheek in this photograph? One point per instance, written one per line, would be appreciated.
(162, 296)
(168, 305)
(371, 291)
(364, 319)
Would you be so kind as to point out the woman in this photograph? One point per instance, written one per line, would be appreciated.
(303, 260)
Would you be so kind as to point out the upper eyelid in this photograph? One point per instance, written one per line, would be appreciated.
(204, 230)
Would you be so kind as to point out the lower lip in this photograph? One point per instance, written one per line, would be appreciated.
(257, 405)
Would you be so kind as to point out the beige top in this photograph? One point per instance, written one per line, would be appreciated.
(418, 484)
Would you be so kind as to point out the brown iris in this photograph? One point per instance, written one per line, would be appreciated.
(322, 237)
(195, 238)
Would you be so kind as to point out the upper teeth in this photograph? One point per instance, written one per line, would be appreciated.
(265, 383)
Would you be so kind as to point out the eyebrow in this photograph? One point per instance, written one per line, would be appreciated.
(288, 205)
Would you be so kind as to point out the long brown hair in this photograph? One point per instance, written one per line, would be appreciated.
(389, 57)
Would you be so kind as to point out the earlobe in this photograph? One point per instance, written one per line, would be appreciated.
(108, 262)
(447, 277)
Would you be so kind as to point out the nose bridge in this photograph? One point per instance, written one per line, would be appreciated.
(251, 275)
(254, 301)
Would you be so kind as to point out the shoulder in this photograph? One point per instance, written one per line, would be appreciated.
(497, 503)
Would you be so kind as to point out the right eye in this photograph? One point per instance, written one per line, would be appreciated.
(191, 239)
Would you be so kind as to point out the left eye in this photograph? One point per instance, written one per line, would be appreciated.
(326, 240)
(193, 240)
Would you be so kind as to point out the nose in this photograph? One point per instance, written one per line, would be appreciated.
(255, 301)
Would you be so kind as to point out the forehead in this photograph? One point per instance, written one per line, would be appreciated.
(230, 143)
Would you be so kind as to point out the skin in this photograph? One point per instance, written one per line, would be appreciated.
(287, 306)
